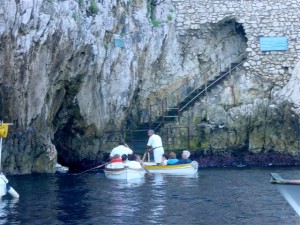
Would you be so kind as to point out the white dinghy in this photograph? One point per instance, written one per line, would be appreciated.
(124, 171)
(4, 186)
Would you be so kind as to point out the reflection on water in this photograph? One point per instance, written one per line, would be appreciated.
(128, 184)
(214, 197)
(159, 197)
(158, 179)
(7, 207)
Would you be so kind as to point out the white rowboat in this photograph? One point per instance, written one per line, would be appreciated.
(289, 189)
(177, 169)
(124, 171)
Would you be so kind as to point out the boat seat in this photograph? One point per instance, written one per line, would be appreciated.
(133, 164)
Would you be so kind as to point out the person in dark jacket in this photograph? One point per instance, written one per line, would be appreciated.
(185, 157)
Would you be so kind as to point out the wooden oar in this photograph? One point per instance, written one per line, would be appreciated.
(144, 156)
(94, 168)
(142, 164)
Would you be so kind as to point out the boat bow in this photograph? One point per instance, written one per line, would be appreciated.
(289, 189)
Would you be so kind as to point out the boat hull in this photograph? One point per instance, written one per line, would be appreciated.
(124, 173)
(178, 169)
(289, 189)
(129, 170)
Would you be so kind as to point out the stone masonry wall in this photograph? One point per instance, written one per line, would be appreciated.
(266, 18)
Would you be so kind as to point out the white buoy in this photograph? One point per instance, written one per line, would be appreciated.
(60, 169)
(3, 182)
(13, 192)
(6, 188)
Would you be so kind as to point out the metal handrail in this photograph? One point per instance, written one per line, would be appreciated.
(162, 106)
(212, 83)
(219, 66)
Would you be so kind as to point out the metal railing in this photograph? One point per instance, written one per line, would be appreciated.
(174, 138)
(190, 86)
(181, 98)
(214, 78)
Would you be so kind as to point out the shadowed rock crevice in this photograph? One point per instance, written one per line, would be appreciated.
(73, 134)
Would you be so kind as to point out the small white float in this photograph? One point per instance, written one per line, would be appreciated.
(6, 188)
(61, 169)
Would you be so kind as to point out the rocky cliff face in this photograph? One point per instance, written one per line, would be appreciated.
(73, 71)
(263, 132)
(253, 118)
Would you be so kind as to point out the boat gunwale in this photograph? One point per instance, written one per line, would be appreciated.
(286, 182)
(121, 169)
(277, 179)
(176, 166)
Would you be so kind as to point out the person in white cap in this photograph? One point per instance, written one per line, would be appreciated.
(185, 157)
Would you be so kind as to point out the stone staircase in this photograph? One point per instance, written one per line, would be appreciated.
(182, 99)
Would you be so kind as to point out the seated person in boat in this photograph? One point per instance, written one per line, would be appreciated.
(184, 157)
(172, 159)
(132, 157)
(164, 160)
(116, 162)
(121, 149)
(116, 158)
(124, 158)
(132, 162)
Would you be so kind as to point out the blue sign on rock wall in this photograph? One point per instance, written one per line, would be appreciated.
(273, 43)
(119, 43)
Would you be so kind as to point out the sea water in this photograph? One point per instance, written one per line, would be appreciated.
(212, 197)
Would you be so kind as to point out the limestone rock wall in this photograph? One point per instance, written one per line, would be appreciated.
(72, 71)
(69, 71)
(259, 19)
(256, 109)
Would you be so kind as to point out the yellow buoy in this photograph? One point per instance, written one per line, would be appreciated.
(3, 130)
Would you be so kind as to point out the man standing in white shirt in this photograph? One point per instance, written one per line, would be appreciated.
(155, 144)
(121, 150)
